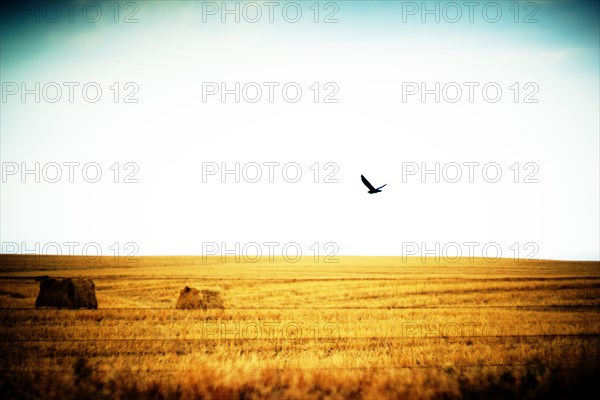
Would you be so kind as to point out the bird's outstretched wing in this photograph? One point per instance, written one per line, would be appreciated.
(367, 183)
(381, 187)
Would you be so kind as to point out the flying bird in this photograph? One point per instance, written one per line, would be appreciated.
(371, 188)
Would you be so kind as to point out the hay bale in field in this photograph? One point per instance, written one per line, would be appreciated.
(67, 293)
(212, 299)
(190, 298)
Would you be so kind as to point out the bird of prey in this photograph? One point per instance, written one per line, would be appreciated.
(371, 188)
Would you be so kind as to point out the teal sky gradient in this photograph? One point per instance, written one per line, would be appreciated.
(369, 53)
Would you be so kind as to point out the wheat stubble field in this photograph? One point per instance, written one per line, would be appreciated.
(366, 327)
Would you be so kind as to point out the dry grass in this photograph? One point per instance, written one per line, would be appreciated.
(362, 328)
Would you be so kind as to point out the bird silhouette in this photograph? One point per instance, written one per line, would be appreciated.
(371, 187)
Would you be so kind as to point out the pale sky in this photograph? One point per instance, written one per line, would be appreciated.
(369, 58)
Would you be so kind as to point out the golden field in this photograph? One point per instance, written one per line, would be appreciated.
(365, 327)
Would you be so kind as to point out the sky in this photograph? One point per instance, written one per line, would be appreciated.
(499, 101)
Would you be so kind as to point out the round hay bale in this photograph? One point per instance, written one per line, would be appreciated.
(55, 293)
(67, 293)
(212, 299)
(85, 293)
(190, 298)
